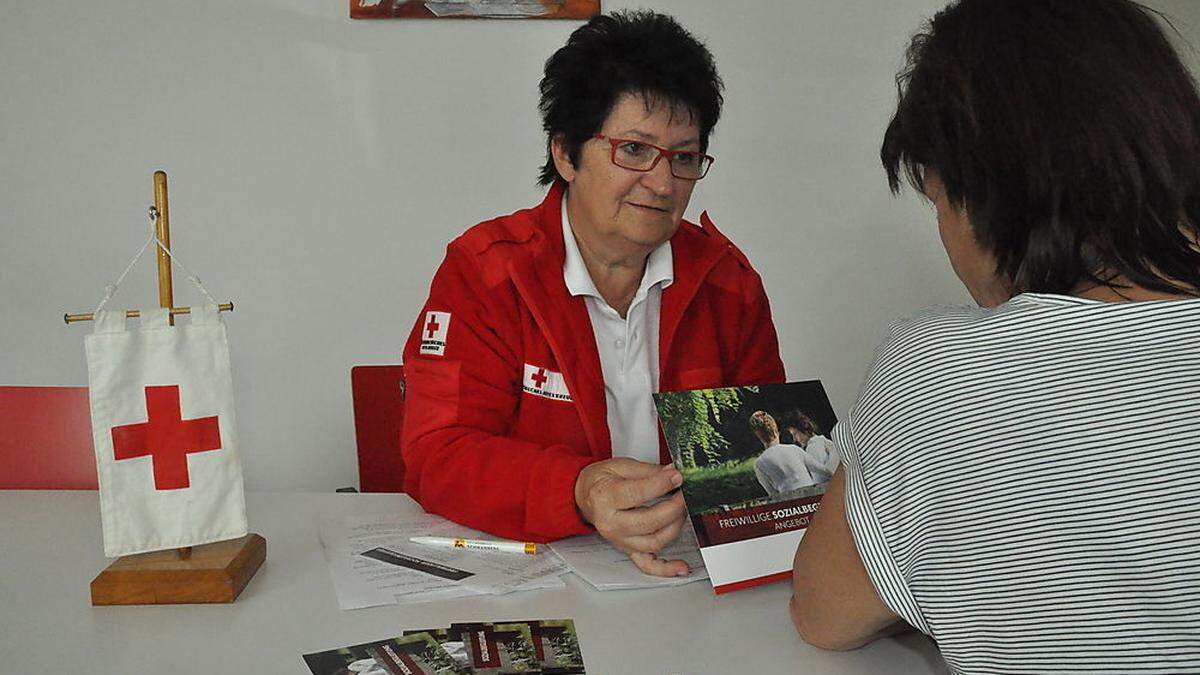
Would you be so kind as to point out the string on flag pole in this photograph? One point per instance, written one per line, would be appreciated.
(110, 289)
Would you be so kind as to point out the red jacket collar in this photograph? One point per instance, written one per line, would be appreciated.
(695, 249)
(537, 272)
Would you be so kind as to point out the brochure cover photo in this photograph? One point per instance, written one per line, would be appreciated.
(755, 463)
(417, 654)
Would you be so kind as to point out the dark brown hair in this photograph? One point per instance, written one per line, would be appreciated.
(1068, 130)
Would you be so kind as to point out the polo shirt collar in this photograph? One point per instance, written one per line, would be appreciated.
(660, 264)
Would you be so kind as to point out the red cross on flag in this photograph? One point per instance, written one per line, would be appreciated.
(163, 429)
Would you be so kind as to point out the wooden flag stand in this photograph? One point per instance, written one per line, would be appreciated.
(214, 572)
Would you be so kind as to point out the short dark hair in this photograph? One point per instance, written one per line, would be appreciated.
(1068, 130)
(632, 52)
(799, 421)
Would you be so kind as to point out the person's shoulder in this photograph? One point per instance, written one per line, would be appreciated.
(486, 248)
(936, 351)
(774, 453)
(946, 329)
(940, 319)
(518, 227)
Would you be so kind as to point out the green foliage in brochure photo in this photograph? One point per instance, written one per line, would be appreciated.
(693, 415)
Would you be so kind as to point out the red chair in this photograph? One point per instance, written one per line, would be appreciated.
(378, 418)
(46, 439)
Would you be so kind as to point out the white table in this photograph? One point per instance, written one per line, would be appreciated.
(50, 549)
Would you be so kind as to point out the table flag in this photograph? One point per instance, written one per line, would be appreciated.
(163, 427)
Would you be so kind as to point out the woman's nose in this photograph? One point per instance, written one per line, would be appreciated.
(659, 179)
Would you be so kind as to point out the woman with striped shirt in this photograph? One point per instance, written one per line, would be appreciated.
(1021, 481)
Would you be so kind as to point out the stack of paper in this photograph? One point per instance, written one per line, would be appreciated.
(372, 562)
(608, 569)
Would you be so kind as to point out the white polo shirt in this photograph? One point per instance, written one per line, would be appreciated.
(628, 346)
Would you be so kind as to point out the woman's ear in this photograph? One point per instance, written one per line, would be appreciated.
(562, 158)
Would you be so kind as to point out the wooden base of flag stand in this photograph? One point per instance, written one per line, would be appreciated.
(212, 573)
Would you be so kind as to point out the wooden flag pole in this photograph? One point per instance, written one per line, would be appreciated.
(208, 573)
(162, 229)
(166, 289)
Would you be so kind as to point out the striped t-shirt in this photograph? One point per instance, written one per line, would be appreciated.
(1023, 483)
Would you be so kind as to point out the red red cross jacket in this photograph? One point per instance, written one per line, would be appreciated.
(505, 397)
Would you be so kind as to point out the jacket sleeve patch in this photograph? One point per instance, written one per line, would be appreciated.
(545, 383)
(433, 333)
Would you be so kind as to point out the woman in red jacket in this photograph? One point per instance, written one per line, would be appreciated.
(531, 367)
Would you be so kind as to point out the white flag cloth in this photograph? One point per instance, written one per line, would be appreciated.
(164, 431)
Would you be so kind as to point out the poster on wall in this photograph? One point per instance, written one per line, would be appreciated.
(474, 9)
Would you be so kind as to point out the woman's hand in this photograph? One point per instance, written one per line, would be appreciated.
(614, 495)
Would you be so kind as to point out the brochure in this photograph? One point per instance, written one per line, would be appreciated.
(451, 642)
(755, 463)
(557, 646)
(535, 646)
(498, 648)
(416, 654)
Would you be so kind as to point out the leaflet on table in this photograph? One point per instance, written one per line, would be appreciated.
(755, 463)
(608, 569)
(557, 645)
(546, 646)
(498, 647)
(372, 562)
(416, 654)
(451, 641)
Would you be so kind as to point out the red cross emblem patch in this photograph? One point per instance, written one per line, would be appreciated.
(433, 333)
(546, 383)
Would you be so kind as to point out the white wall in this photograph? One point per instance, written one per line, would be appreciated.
(318, 167)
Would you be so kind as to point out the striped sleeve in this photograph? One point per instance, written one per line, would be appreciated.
(869, 538)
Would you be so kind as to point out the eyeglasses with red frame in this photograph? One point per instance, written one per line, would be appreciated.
(635, 155)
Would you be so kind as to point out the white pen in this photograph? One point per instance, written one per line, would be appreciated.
(478, 544)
